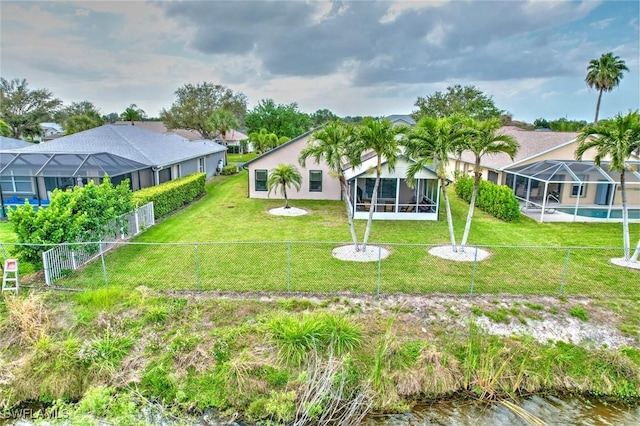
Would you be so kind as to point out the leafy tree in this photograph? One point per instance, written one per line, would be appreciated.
(283, 176)
(604, 74)
(353, 119)
(223, 121)
(614, 140)
(334, 145)
(23, 109)
(432, 140)
(111, 118)
(196, 103)
(283, 120)
(133, 113)
(76, 108)
(82, 122)
(458, 100)
(378, 136)
(564, 125)
(481, 140)
(5, 130)
(78, 214)
(322, 116)
(541, 123)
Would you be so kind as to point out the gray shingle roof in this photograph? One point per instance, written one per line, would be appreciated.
(11, 143)
(404, 117)
(531, 143)
(131, 142)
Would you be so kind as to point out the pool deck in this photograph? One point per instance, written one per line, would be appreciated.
(552, 215)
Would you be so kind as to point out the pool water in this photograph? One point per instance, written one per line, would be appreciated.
(599, 213)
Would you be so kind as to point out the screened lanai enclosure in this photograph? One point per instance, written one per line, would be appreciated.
(33, 176)
(577, 191)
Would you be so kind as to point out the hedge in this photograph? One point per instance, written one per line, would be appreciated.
(231, 169)
(497, 200)
(170, 196)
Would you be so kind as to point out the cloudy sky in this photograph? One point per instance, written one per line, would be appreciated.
(353, 57)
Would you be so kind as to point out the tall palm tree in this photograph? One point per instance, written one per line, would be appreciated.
(481, 140)
(283, 176)
(133, 113)
(604, 74)
(378, 136)
(334, 145)
(614, 140)
(431, 142)
(223, 121)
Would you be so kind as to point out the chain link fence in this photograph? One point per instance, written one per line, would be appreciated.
(309, 267)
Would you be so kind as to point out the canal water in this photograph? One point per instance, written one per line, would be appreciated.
(571, 411)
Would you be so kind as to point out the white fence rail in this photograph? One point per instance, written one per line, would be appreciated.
(65, 258)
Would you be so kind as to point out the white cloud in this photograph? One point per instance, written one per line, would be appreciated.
(437, 35)
(398, 7)
(602, 24)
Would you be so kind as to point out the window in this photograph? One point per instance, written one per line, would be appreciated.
(261, 180)
(20, 184)
(575, 187)
(201, 168)
(315, 180)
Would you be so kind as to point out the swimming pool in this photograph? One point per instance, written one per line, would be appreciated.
(599, 212)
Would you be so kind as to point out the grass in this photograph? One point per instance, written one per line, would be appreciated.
(241, 247)
(241, 158)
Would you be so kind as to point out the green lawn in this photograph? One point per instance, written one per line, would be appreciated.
(227, 241)
(241, 158)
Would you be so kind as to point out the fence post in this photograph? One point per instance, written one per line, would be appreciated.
(197, 263)
(73, 260)
(45, 264)
(564, 271)
(289, 267)
(136, 217)
(473, 273)
(104, 266)
(379, 272)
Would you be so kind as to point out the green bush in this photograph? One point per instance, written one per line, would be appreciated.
(231, 169)
(497, 200)
(172, 195)
(78, 214)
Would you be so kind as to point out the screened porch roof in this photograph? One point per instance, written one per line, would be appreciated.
(90, 165)
(556, 171)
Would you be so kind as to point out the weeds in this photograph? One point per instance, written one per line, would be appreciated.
(579, 312)
(28, 316)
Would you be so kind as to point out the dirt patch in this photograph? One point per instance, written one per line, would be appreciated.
(544, 318)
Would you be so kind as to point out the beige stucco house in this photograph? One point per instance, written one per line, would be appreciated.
(546, 177)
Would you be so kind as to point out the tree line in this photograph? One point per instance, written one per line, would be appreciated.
(213, 109)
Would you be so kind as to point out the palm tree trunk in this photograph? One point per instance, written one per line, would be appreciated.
(595, 121)
(636, 253)
(625, 218)
(472, 205)
(374, 201)
(286, 200)
(347, 202)
(443, 184)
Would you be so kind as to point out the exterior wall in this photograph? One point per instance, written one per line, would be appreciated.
(288, 154)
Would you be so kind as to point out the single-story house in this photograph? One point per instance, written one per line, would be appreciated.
(160, 127)
(122, 152)
(396, 200)
(401, 120)
(546, 177)
(232, 140)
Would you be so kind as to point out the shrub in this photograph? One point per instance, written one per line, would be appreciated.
(497, 200)
(172, 195)
(231, 169)
(78, 214)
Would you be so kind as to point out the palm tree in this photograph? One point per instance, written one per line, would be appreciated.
(223, 121)
(333, 143)
(378, 136)
(604, 74)
(283, 176)
(432, 141)
(482, 139)
(133, 113)
(614, 140)
(263, 140)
